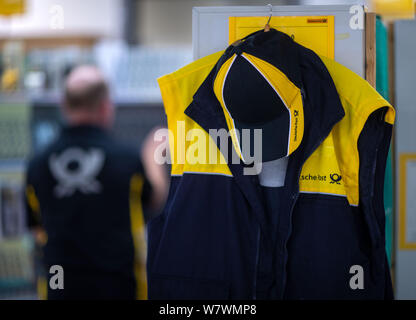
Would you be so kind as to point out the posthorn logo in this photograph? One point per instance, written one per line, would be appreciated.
(336, 178)
(296, 114)
(76, 169)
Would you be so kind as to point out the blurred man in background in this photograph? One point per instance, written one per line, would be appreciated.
(87, 191)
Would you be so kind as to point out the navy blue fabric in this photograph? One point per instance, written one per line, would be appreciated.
(216, 238)
(210, 240)
(328, 237)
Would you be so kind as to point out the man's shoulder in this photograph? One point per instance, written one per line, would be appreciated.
(120, 148)
(120, 155)
(41, 156)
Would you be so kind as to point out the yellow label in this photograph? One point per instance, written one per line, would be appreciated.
(313, 32)
(394, 9)
(10, 7)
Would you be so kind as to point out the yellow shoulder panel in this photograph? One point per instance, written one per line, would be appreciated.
(338, 154)
(189, 144)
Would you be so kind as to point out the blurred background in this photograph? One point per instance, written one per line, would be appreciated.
(134, 42)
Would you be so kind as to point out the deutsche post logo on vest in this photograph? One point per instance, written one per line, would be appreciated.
(322, 182)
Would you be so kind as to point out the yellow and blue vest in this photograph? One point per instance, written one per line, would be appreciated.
(217, 238)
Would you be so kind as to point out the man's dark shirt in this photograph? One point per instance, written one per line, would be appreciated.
(82, 190)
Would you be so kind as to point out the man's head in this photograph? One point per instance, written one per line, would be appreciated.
(86, 98)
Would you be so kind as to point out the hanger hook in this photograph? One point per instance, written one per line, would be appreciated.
(267, 26)
(271, 12)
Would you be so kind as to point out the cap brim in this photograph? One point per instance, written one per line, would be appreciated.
(274, 139)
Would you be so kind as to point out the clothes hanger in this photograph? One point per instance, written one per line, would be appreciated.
(267, 26)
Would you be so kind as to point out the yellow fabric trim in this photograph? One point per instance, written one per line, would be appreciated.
(42, 288)
(138, 234)
(32, 200)
(298, 125)
(41, 237)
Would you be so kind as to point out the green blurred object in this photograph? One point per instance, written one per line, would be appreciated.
(14, 130)
(382, 84)
(16, 267)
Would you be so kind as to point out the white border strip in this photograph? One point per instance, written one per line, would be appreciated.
(207, 173)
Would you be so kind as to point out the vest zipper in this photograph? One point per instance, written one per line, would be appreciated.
(295, 199)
